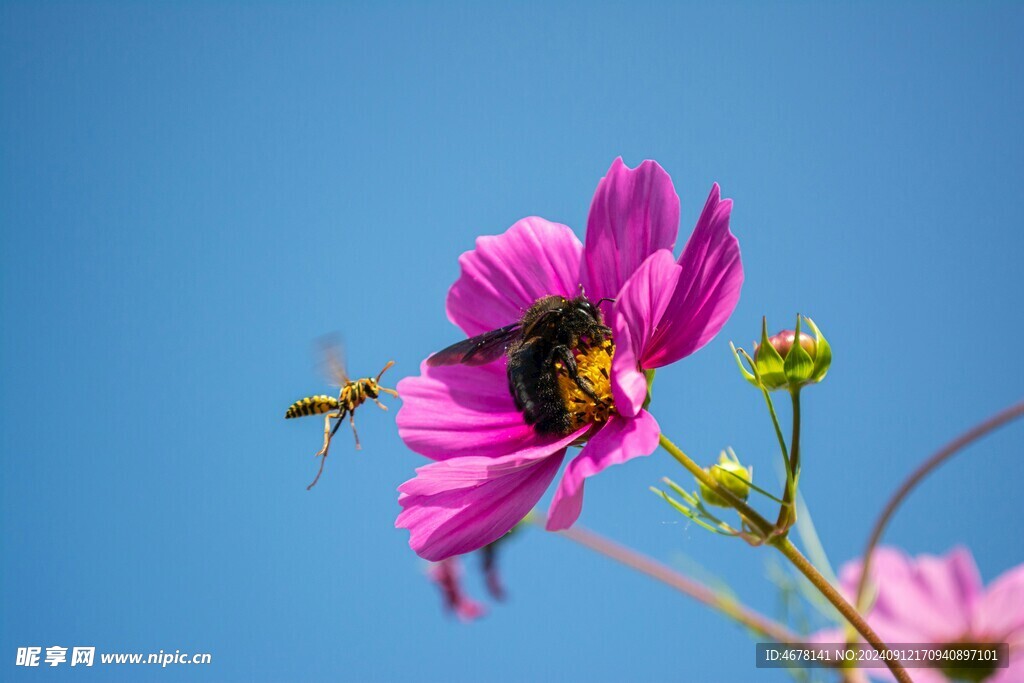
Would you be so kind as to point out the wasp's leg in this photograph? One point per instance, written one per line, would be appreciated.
(564, 354)
(352, 421)
(328, 434)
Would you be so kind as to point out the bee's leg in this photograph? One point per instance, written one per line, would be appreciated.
(564, 354)
(352, 421)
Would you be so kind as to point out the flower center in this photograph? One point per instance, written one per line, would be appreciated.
(958, 668)
(594, 368)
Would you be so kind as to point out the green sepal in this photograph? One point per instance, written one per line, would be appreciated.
(747, 375)
(771, 368)
(649, 374)
(823, 355)
(798, 364)
(687, 512)
(686, 495)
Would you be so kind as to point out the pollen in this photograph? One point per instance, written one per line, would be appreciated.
(594, 368)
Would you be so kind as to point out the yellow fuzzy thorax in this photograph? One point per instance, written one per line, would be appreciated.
(593, 362)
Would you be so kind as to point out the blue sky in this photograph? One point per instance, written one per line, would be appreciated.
(191, 194)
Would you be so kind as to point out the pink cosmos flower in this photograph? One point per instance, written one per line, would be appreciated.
(491, 466)
(447, 575)
(941, 600)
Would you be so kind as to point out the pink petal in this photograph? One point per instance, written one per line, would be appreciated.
(634, 213)
(999, 614)
(918, 674)
(1014, 673)
(456, 506)
(925, 600)
(708, 288)
(507, 273)
(635, 319)
(620, 440)
(460, 410)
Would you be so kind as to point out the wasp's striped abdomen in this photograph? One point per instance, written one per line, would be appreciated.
(312, 405)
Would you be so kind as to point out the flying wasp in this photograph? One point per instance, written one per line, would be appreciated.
(541, 346)
(353, 393)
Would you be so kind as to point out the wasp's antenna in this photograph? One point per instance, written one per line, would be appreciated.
(607, 298)
(390, 363)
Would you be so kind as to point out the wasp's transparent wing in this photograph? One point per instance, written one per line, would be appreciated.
(332, 355)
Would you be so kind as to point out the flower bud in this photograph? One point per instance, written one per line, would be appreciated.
(730, 475)
(783, 342)
(780, 362)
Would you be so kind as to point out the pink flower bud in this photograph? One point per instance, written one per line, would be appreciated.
(783, 342)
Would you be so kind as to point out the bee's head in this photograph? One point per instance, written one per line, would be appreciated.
(585, 306)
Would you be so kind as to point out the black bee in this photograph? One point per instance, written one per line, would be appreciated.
(547, 334)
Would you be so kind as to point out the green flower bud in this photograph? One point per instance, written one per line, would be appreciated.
(780, 362)
(730, 475)
(783, 342)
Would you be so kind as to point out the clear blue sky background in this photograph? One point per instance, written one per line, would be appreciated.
(193, 193)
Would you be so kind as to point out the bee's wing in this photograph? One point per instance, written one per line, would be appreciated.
(333, 355)
(478, 350)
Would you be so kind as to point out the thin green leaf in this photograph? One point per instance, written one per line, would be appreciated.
(687, 512)
(751, 485)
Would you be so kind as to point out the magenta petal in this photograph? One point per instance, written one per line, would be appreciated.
(456, 506)
(506, 273)
(707, 291)
(620, 440)
(999, 615)
(635, 319)
(459, 410)
(634, 213)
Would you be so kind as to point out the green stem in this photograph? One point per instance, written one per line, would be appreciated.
(786, 547)
(751, 516)
(725, 604)
(778, 429)
(787, 514)
(926, 468)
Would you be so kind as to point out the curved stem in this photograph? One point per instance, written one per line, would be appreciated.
(926, 468)
(730, 607)
(786, 547)
(749, 514)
